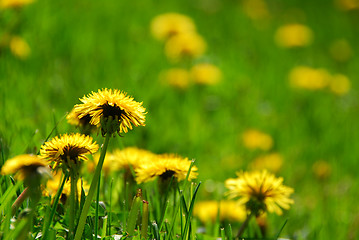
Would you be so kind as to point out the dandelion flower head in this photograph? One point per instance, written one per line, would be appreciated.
(206, 74)
(229, 210)
(68, 149)
(24, 166)
(272, 162)
(294, 35)
(176, 77)
(167, 25)
(185, 46)
(131, 157)
(108, 103)
(19, 47)
(254, 139)
(339, 84)
(260, 191)
(14, 3)
(165, 166)
(309, 78)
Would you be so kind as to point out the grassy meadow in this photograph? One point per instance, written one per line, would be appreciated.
(75, 47)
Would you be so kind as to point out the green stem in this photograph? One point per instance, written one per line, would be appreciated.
(97, 205)
(244, 225)
(54, 206)
(93, 187)
(73, 202)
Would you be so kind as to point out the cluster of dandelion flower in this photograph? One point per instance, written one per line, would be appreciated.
(294, 35)
(260, 191)
(111, 110)
(304, 77)
(255, 139)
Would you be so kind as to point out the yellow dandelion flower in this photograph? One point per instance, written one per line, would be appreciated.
(255, 9)
(167, 25)
(309, 78)
(24, 166)
(112, 104)
(293, 35)
(165, 166)
(322, 169)
(347, 5)
(53, 185)
(68, 150)
(206, 74)
(108, 163)
(339, 84)
(272, 162)
(228, 211)
(14, 3)
(183, 46)
(19, 47)
(341, 50)
(131, 157)
(259, 192)
(254, 139)
(83, 123)
(176, 77)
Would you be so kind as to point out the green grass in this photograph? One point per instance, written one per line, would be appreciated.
(81, 46)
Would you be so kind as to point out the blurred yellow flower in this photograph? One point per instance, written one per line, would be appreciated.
(176, 77)
(183, 46)
(293, 35)
(340, 50)
(206, 74)
(165, 166)
(53, 185)
(111, 104)
(108, 163)
(255, 9)
(254, 139)
(322, 169)
(83, 123)
(339, 84)
(14, 3)
(309, 78)
(167, 25)
(24, 166)
(347, 5)
(131, 157)
(68, 149)
(272, 162)
(260, 192)
(207, 211)
(19, 47)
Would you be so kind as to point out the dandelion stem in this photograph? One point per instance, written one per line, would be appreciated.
(20, 199)
(244, 225)
(93, 187)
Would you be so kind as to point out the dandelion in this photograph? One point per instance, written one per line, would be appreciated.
(111, 104)
(321, 169)
(293, 35)
(347, 5)
(309, 78)
(339, 84)
(166, 166)
(14, 3)
(131, 157)
(340, 50)
(24, 166)
(260, 192)
(176, 77)
(68, 150)
(83, 123)
(19, 47)
(32, 170)
(228, 211)
(272, 162)
(206, 74)
(185, 46)
(167, 25)
(254, 139)
(256, 9)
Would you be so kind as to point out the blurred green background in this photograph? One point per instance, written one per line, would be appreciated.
(82, 46)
